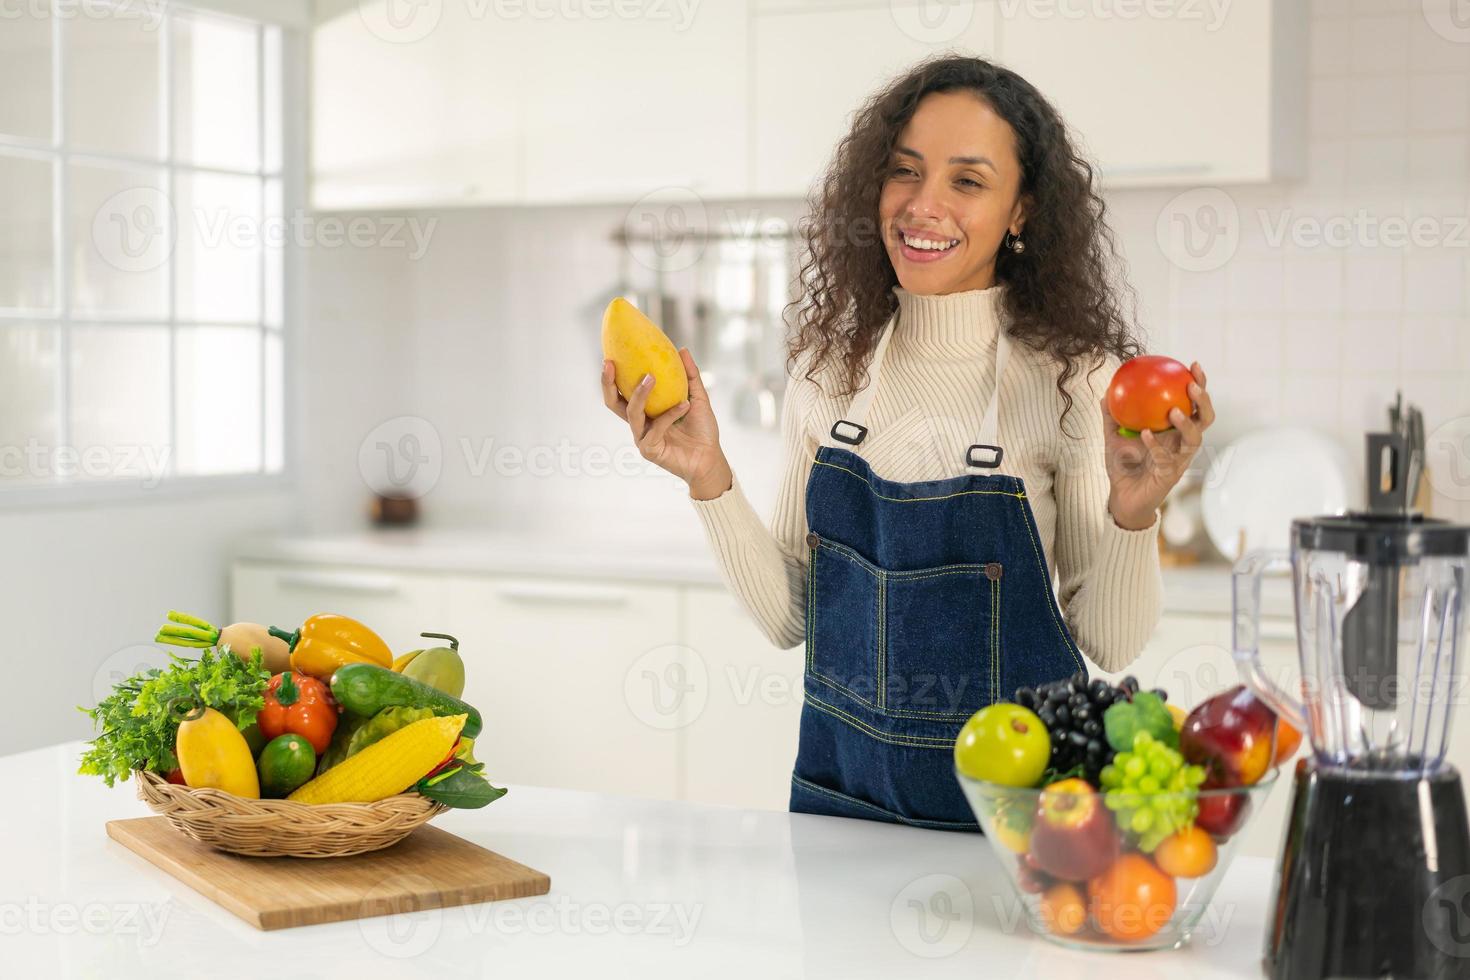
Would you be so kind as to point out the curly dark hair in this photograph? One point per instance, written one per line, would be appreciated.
(1063, 294)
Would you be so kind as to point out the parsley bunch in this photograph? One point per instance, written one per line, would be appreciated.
(137, 726)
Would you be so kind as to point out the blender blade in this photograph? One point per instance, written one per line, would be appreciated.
(1370, 631)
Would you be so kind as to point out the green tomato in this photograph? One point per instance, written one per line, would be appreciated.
(286, 763)
(1003, 743)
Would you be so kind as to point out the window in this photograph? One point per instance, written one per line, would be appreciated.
(143, 245)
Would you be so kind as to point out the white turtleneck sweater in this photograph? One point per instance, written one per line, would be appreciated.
(933, 387)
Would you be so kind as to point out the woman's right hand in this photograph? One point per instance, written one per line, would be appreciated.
(691, 449)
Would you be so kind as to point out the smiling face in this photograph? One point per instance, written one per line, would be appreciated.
(953, 190)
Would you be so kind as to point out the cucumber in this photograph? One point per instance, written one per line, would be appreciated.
(366, 689)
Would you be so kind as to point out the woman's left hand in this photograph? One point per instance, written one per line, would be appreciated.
(1142, 471)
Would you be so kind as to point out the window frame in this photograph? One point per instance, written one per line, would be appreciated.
(294, 47)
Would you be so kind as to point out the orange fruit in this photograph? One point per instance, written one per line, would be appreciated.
(1288, 739)
(1062, 909)
(1189, 853)
(1131, 900)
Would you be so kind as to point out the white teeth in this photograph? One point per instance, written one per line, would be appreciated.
(929, 245)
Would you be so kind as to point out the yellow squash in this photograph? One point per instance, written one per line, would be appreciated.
(213, 754)
(636, 346)
(387, 767)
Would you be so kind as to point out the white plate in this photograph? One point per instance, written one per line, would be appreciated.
(1260, 482)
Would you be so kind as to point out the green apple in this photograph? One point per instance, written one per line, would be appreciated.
(1005, 744)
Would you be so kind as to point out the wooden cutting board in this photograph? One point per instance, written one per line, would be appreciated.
(430, 869)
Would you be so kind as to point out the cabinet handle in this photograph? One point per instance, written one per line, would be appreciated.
(1158, 170)
(578, 595)
(356, 583)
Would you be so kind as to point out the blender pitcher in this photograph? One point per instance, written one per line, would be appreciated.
(1380, 617)
(1374, 873)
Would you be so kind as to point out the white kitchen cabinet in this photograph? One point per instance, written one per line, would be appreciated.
(581, 683)
(1183, 99)
(397, 605)
(626, 107)
(517, 107)
(740, 736)
(461, 104)
(402, 120)
(816, 62)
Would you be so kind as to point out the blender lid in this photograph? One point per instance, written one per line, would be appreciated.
(1382, 538)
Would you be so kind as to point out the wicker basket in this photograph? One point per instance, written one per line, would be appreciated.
(280, 828)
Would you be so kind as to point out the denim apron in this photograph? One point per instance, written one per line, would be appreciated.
(925, 602)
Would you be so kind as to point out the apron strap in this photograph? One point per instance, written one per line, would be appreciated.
(987, 454)
(851, 430)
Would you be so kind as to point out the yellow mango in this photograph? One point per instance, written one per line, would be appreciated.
(636, 346)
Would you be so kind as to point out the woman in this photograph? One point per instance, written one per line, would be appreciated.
(957, 328)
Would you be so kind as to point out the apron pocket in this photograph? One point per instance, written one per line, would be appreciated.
(941, 641)
(842, 621)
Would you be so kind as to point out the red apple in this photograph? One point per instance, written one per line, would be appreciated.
(1221, 814)
(1233, 735)
(1073, 837)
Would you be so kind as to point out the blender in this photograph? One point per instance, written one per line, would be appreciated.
(1374, 873)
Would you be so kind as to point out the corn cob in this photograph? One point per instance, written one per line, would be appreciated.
(386, 767)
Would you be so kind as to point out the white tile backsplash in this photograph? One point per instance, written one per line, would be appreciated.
(1439, 103)
(492, 334)
(1377, 104)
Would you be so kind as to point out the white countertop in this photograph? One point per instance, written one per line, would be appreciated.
(696, 892)
(496, 553)
(1200, 589)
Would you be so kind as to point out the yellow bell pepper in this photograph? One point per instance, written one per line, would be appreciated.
(328, 641)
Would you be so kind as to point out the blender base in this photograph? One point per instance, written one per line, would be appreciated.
(1374, 879)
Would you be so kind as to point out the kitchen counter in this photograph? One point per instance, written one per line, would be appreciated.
(1194, 590)
(639, 889)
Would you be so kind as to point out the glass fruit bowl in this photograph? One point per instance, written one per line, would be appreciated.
(1113, 869)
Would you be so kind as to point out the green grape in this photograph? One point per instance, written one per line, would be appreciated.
(1150, 790)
